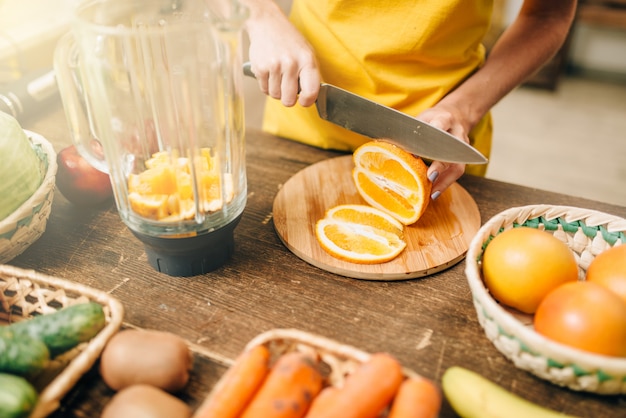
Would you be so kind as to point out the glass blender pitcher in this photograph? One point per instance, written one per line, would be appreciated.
(152, 92)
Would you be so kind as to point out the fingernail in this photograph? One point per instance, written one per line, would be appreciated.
(433, 176)
(435, 195)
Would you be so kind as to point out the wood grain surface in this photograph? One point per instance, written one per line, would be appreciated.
(429, 323)
(438, 240)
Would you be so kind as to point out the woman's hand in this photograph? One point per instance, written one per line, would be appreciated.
(281, 59)
(444, 174)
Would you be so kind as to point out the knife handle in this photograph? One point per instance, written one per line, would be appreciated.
(247, 69)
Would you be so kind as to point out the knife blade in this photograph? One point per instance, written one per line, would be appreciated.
(376, 121)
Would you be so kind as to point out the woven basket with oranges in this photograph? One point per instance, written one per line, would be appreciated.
(587, 233)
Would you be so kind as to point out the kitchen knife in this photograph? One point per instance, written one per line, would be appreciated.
(376, 121)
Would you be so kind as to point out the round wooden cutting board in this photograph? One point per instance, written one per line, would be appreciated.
(438, 240)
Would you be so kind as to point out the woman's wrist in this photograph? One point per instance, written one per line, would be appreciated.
(262, 13)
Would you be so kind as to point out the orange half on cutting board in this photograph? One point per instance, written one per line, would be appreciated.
(360, 234)
(392, 180)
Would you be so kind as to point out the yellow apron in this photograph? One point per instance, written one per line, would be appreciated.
(405, 54)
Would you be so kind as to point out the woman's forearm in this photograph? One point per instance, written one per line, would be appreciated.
(261, 13)
(528, 43)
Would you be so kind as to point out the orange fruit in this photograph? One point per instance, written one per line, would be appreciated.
(586, 316)
(164, 191)
(521, 265)
(392, 180)
(360, 234)
(609, 270)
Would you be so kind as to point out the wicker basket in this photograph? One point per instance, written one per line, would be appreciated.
(28, 222)
(338, 360)
(341, 359)
(25, 293)
(587, 233)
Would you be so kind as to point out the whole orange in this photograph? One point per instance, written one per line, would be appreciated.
(521, 265)
(609, 270)
(584, 315)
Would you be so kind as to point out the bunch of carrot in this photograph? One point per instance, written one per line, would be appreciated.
(294, 387)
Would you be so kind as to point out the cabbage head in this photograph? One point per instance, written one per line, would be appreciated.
(20, 167)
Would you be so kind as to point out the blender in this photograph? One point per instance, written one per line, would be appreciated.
(152, 93)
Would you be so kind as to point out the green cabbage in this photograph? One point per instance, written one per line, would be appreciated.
(20, 172)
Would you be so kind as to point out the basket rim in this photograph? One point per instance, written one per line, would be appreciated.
(51, 396)
(539, 344)
(313, 340)
(341, 358)
(47, 183)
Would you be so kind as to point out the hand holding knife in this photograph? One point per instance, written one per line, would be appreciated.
(376, 121)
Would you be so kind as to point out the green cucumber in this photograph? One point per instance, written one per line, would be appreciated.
(17, 397)
(63, 329)
(24, 356)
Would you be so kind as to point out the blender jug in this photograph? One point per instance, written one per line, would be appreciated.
(152, 93)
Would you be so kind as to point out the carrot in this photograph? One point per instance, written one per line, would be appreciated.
(238, 386)
(289, 388)
(417, 397)
(365, 393)
(325, 396)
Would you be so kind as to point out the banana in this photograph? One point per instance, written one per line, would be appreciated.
(473, 396)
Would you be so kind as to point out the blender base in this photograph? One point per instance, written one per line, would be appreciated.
(190, 256)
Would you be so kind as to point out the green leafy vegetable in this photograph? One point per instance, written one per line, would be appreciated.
(20, 168)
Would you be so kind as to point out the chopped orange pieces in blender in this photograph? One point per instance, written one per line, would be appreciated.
(165, 190)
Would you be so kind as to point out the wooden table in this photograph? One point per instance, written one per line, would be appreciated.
(428, 323)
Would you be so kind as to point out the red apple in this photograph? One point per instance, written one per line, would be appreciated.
(80, 182)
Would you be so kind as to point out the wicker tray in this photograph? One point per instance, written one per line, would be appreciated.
(341, 359)
(337, 360)
(25, 293)
(28, 222)
(587, 233)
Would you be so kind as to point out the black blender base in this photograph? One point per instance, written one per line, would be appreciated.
(190, 256)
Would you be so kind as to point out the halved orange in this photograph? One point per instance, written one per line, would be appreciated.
(392, 180)
(360, 234)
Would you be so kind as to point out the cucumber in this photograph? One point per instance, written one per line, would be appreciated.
(24, 356)
(63, 329)
(17, 397)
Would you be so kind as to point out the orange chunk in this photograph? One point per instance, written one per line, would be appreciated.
(165, 190)
(149, 206)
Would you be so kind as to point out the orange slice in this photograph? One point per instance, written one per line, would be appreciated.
(360, 234)
(392, 180)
